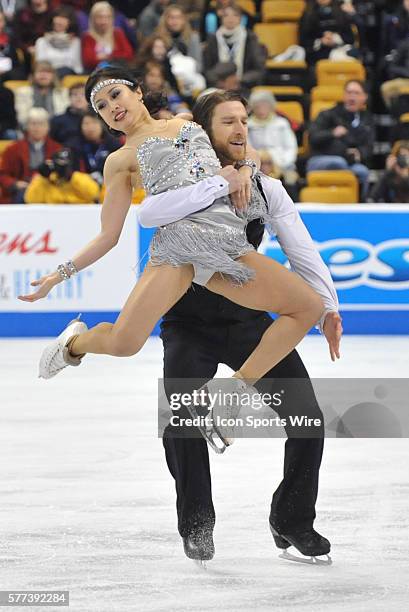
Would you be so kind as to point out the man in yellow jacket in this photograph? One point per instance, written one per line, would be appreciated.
(57, 183)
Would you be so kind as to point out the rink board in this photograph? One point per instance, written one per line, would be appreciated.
(365, 246)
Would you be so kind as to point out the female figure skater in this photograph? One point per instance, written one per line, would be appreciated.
(208, 247)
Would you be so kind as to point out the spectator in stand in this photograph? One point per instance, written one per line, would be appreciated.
(398, 71)
(393, 186)
(341, 138)
(65, 128)
(58, 183)
(94, 146)
(153, 49)
(30, 23)
(226, 78)
(233, 43)
(272, 133)
(60, 45)
(396, 28)
(103, 41)
(8, 116)
(149, 18)
(120, 21)
(211, 17)
(325, 28)
(155, 82)
(184, 50)
(9, 64)
(22, 158)
(44, 92)
(175, 30)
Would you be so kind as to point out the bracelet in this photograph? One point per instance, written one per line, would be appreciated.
(250, 163)
(63, 272)
(67, 270)
(70, 267)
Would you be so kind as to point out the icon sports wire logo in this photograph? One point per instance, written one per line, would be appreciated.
(353, 262)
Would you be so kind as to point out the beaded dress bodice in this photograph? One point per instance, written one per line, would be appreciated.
(170, 163)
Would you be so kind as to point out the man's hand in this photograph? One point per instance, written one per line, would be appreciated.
(355, 154)
(333, 332)
(339, 131)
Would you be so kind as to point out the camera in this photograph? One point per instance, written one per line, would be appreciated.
(61, 163)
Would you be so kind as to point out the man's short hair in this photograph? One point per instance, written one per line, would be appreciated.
(204, 107)
(362, 84)
(75, 86)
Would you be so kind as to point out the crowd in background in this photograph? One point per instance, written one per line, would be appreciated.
(57, 146)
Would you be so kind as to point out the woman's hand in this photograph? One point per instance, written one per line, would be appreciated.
(333, 332)
(45, 284)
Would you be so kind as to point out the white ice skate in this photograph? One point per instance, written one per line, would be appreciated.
(219, 426)
(56, 356)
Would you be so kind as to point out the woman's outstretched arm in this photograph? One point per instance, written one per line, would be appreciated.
(117, 176)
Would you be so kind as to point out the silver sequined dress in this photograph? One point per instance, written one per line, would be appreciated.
(211, 239)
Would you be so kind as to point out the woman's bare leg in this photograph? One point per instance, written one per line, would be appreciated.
(273, 289)
(158, 289)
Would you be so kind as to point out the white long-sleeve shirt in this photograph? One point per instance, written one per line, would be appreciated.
(288, 227)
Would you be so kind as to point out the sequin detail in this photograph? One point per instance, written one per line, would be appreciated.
(211, 239)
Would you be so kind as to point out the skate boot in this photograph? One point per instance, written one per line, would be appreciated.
(218, 418)
(199, 546)
(56, 355)
(313, 547)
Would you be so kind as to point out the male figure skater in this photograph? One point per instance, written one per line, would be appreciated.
(204, 329)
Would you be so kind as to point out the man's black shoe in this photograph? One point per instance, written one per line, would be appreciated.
(199, 545)
(308, 542)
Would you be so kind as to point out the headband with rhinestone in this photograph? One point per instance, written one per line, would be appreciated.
(102, 84)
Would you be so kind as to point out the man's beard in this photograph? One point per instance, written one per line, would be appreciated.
(228, 153)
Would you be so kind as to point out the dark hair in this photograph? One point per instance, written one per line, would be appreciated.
(361, 84)
(96, 118)
(68, 13)
(154, 102)
(235, 7)
(204, 108)
(76, 85)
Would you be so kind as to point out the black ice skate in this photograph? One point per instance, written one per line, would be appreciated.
(199, 546)
(213, 427)
(313, 547)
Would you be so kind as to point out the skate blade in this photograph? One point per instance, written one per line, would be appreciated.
(309, 560)
(210, 436)
(201, 564)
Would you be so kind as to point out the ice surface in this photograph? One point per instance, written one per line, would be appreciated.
(88, 505)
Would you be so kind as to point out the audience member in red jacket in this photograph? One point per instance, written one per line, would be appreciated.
(103, 41)
(21, 159)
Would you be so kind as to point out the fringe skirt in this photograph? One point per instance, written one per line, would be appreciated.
(210, 247)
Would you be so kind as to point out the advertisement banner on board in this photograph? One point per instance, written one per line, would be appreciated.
(34, 240)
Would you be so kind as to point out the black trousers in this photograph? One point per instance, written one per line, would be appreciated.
(192, 350)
